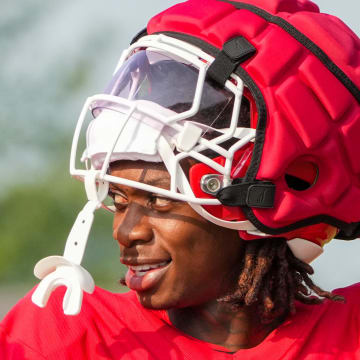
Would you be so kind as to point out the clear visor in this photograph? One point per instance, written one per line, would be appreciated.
(171, 82)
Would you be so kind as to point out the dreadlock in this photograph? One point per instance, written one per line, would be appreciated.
(272, 278)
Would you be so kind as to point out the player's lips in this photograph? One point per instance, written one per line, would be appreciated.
(142, 276)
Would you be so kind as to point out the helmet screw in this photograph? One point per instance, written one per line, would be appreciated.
(213, 185)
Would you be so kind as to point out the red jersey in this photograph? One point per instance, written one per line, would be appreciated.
(116, 326)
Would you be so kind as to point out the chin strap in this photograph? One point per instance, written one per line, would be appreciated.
(66, 270)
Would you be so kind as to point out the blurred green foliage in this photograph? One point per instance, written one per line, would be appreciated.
(39, 107)
(35, 220)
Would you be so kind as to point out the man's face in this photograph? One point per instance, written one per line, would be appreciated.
(175, 258)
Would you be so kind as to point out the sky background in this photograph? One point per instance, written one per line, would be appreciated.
(53, 56)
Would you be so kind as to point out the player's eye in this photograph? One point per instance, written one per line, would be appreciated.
(120, 200)
(160, 203)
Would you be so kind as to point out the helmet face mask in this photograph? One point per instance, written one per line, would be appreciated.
(137, 120)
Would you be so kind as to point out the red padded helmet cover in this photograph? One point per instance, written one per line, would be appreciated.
(310, 113)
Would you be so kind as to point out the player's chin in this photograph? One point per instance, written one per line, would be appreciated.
(164, 297)
(157, 300)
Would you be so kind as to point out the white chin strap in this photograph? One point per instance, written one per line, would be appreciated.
(55, 271)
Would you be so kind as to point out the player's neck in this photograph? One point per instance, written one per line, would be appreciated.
(216, 323)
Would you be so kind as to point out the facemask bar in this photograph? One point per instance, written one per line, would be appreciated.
(191, 55)
(167, 154)
(162, 42)
(172, 163)
(172, 193)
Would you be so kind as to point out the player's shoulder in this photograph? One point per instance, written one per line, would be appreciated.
(101, 300)
(350, 293)
(347, 309)
(48, 329)
(334, 311)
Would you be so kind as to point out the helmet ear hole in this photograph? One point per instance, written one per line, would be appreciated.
(301, 175)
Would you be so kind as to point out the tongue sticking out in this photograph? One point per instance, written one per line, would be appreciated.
(146, 280)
